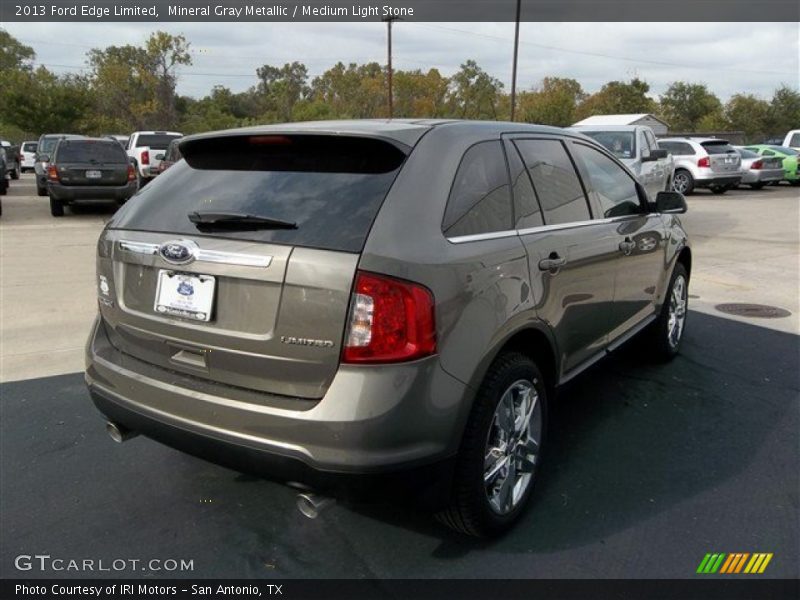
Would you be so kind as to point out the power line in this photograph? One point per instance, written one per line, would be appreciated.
(601, 55)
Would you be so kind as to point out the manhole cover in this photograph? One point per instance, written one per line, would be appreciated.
(757, 311)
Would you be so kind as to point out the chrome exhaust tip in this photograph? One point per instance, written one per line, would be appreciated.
(118, 433)
(311, 505)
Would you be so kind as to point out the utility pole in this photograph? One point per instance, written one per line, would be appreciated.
(514, 67)
(389, 20)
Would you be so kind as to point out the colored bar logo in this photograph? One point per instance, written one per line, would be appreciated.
(736, 562)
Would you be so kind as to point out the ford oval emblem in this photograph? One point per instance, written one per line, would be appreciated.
(178, 252)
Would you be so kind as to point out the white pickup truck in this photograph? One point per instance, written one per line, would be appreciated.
(147, 149)
(636, 147)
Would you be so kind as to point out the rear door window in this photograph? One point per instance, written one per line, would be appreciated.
(331, 187)
(677, 148)
(90, 152)
(480, 199)
(555, 181)
(29, 147)
(615, 189)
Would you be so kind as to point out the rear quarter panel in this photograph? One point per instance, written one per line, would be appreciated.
(482, 289)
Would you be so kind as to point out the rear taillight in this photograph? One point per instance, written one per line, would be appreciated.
(52, 173)
(391, 320)
(704, 162)
(757, 165)
(131, 173)
(145, 158)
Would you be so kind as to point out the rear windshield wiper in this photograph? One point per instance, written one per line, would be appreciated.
(236, 220)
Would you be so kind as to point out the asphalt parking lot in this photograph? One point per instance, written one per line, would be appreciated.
(650, 467)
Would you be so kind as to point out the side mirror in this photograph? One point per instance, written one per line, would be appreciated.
(160, 156)
(670, 203)
(655, 155)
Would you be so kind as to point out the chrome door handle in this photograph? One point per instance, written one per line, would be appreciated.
(627, 246)
(553, 263)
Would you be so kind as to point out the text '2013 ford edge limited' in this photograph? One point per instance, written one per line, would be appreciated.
(327, 302)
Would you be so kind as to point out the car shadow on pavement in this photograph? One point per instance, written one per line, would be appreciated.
(630, 438)
(635, 449)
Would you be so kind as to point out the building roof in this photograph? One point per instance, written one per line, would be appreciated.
(617, 119)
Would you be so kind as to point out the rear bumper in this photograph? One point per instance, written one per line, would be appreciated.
(708, 181)
(69, 193)
(762, 176)
(372, 420)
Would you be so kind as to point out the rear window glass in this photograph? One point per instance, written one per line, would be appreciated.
(747, 153)
(795, 140)
(721, 147)
(155, 141)
(88, 151)
(330, 186)
(29, 147)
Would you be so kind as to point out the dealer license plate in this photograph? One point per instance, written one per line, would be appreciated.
(184, 295)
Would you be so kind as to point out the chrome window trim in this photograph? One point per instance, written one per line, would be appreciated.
(479, 237)
(544, 228)
(209, 256)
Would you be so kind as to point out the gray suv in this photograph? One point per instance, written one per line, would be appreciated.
(379, 300)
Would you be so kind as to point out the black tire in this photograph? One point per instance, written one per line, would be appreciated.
(683, 182)
(659, 332)
(795, 182)
(718, 189)
(3, 190)
(757, 186)
(40, 191)
(15, 173)
(56, 207)
(470, 511)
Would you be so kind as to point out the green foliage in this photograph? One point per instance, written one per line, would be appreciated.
(42, 101)
(685, 105)
(13, 54)
(618, 97)
(133, 88)
(555, 102)
(474, 94)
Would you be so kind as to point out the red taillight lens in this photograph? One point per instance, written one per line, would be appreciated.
(131, 173)
(390, 321)
(757, 165)
(704, 162)
(145, 157)
(52, 173)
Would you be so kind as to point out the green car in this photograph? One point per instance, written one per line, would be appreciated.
(790, 157)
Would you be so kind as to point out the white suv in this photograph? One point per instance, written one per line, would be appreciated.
(703, 162)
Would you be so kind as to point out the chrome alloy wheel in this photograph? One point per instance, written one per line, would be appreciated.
(680, 182)
(512, 446)
(677, 311)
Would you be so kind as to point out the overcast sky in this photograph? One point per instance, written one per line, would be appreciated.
(729, 57)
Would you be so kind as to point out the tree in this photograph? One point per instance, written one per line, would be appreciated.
(745, 112)
(474, 94)
(134, 86)
(355, 91)
(280, 89)
(618, 97)
(14, 56)
(62, 103)
(418, 94)
(685, 105)
(784, 111)
(553, 103)
(165, 52)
